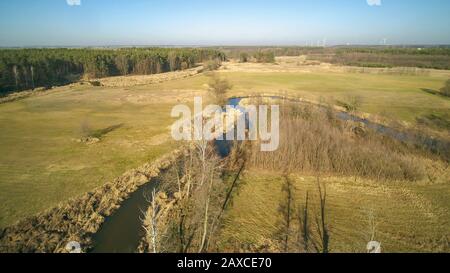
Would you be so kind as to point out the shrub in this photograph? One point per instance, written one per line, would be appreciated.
(212, 65)
(265, 57)
(219, 88)
(95, 83)
(243, 57)
(446, 89)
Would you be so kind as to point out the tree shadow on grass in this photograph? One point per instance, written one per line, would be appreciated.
(433, 92)
(102, 132)
(432, 120)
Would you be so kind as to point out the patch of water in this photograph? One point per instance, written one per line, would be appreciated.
(122, 231)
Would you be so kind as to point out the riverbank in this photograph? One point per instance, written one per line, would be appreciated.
(80, 218)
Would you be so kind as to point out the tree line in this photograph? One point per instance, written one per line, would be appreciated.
(22, 69)
(440, 51)
(434, 57)
(240, 52)
(259, 57)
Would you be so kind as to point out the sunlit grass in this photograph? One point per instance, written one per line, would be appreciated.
(396, 96)
(42, 164)
(42, 161)
(409, 217)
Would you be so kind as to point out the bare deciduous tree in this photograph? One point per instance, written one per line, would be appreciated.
(219, 88)
(16, 76)
(151, 227)
(32, 77)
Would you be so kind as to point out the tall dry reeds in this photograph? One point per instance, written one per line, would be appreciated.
(312, 140)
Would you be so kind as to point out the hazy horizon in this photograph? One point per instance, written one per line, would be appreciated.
(217, 46)
(82, 23)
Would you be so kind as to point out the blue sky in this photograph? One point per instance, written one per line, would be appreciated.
(218, 22)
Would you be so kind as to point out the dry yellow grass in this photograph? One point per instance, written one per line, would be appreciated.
(43, 162)
(299, 64)
(133, 80)
(409, 217)
(42, 165)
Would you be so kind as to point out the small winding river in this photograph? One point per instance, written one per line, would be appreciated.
(122, 231)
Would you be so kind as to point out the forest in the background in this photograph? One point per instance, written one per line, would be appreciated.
(22, 69)
(363, 56)
(434, 58)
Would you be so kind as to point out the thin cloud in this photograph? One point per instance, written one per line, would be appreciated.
(73, 2)
(374, 2)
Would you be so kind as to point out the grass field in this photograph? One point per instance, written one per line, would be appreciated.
(396, 96)
(400, 97)
(42, 164)
(393, 96)
(409, 217)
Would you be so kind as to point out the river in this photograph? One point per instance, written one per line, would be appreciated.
(123, 231)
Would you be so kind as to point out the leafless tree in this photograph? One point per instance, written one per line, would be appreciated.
(151, 222)
(123, 64)
(32, 77)
(373, 246)
(218, 88)
(206, 214)
(16, 76)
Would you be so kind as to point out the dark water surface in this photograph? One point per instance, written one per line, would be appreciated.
(122, 231)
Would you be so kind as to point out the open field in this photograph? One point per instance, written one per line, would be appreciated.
(42, 160)
(162, 127)
(388, 93)
(43, 163)
(409, 217)
(394, 96)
